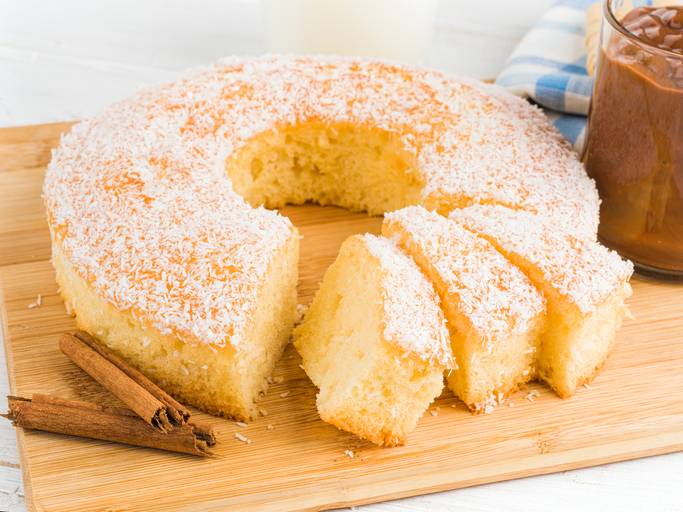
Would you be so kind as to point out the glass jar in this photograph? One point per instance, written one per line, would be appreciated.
(634, 144)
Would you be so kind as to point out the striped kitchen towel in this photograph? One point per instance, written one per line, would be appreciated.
(549, 67)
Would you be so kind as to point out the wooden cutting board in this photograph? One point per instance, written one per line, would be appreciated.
(634, 408)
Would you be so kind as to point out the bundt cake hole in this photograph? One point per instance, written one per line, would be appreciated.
(355, 167)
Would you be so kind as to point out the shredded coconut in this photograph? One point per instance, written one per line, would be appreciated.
(489, 291)
(140, 203)
(413, 317)
(578, 268)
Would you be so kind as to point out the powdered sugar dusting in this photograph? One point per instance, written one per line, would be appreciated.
(140, 202)
(413, 317)
(494, 296)
(582, 270)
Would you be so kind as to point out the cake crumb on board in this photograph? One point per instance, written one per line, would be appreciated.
(242, 438)
(532, 395)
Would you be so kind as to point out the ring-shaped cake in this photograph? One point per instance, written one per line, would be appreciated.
(162, 241)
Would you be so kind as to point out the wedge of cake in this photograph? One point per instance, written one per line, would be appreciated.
(494, 313)
(374, 342)
(584, 283)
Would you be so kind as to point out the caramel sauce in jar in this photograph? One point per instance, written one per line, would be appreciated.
(634, 145)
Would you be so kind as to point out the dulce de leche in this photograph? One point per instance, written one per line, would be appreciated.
(634, 146)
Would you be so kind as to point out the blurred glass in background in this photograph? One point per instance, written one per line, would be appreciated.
(391, 29)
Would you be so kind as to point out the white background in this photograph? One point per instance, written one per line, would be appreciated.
(66, 59)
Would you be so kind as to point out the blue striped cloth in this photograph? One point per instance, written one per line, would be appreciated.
(549, 67)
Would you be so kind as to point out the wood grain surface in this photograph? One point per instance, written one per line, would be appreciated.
(634, 407)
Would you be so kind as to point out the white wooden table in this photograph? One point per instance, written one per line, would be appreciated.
(67, 59)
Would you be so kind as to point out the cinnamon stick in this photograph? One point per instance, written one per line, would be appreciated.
(141, 401)
(52, 414)
(176, 412)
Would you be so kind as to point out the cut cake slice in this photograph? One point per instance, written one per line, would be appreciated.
(494, 313)
(584, 283)
(374, 342)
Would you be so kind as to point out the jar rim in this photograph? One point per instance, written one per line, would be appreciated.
(608, 14)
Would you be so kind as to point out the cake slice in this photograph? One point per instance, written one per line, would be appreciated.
(374, 342)
(494, 313)
(584, 283)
